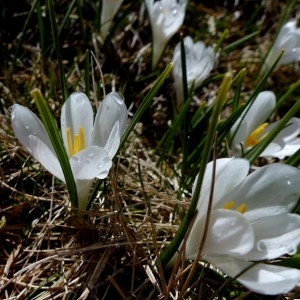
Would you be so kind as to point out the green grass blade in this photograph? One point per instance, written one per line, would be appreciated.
(146, 103)
(20, 42)
(167, 255)
(57, 49)
(54, 135)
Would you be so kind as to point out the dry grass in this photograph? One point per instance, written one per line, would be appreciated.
(49, 251)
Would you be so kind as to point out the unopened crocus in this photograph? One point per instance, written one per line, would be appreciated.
(108, 10)
(166, 16)
(288, 39)
(199, 62)
(250, 222)
(90, 144)
(251, 128)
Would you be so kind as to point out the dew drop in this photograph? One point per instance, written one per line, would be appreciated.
(10, 113)
(63, 122)
(27, 126)
(76, 159)
(100, 165)
(232, 224)
(118, 97)
(79, 99)
(91, 154)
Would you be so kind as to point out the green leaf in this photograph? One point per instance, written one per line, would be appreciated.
(167, 255)
(57, 143)
(146, 103)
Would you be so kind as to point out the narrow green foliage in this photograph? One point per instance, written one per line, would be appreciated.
(87, 68)
(146, 103)
(57, 48)
(165, 143)
(20, 42)
(40, 25)
(294, 160)
(220, 41)
(186, 124)
(54, 135)
(66, 17)
(240, 41)
(212, 126)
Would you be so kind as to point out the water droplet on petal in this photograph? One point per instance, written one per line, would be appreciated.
(10, 112)
(63, 122)
(76, 159)
(118, 97)
(174, 10)
(27, 126)
(232, 224)
(91, 154)
(100, 165)
(79, 99)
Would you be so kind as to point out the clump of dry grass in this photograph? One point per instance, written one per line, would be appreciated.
(112, 251)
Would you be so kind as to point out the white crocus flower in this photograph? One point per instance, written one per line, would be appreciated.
(166, 16)
(108, 10)
(90, 145)
(199, 62)
(250, 129)
(250, 221)
(288, 40)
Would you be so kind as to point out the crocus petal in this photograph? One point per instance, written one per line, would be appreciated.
(275, 236)
(288, 39)
(270, 190)
(43, 154)
(112, 110)
(25, 124)
(108, 11)
(113, 142)
(253, 117)
(288, 150)
(83, 191)
(229, 233)
(230, 173)
(77, 112)
(166, 16)
(89, 163)
(199, 62)
(260, 278)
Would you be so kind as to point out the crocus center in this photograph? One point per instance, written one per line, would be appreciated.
(255, 137)
(242, 208)
(76, 143)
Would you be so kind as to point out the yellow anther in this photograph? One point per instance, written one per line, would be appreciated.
(81, 138)
(254, 138)
(229, 205)
(77, 144)
(242, 208)
(69, 141)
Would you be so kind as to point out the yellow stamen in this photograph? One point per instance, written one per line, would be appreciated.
(69, 140)
(254, 138)
(77, 144)
(242, 208)
(229, 205)
(81, 138)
